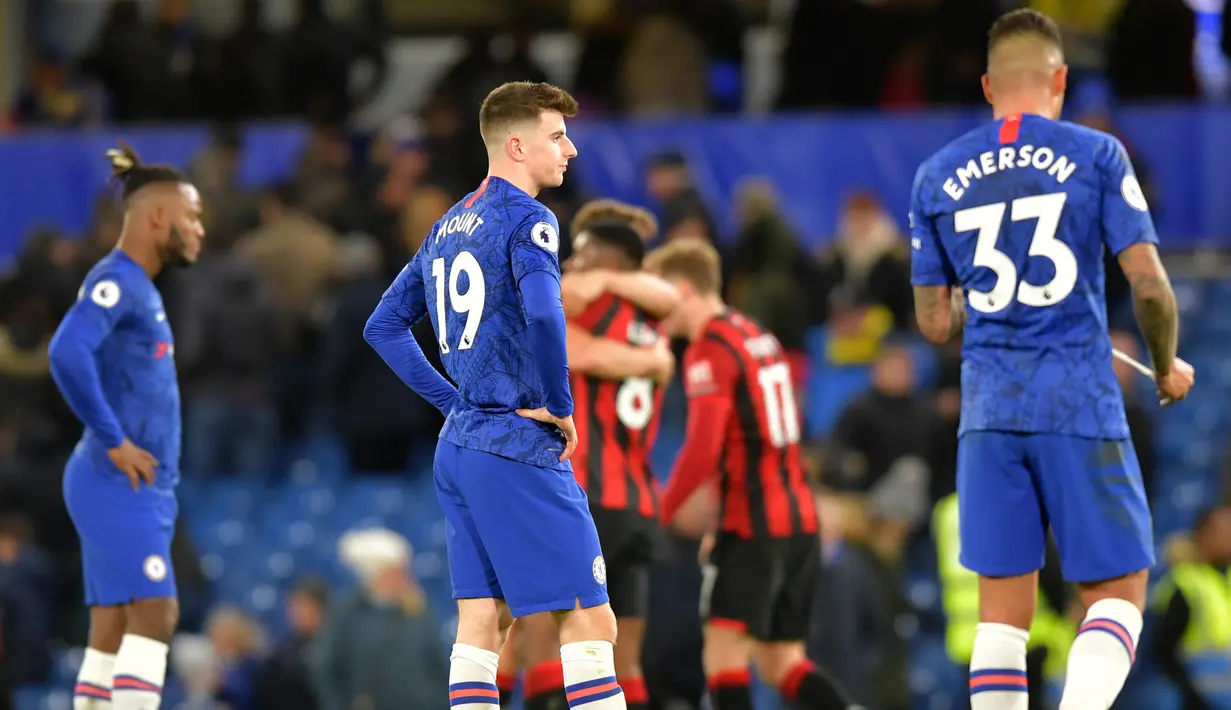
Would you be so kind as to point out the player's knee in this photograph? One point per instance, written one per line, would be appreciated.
(479, 624)
(154, 618)
(1130, 587)
(1008, 600)
(725, 649)
(107, 625)
(504, 618)
(596, 623)
(774, 661)
(540, 641)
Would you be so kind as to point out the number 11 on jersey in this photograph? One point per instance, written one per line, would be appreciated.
(470, 302)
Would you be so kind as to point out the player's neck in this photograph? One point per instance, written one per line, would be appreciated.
(514, 177)
(1022, 107)
(147, 259)
(708, 310)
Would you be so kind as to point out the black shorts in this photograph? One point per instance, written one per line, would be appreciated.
(765, 586)
(631, 545)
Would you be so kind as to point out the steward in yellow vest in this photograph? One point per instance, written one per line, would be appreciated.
(1192, 639)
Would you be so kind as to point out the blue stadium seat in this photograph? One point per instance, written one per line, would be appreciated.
(378, 497)
(65, 664)
(38, 697)
(223, 536)
(306, 501)
(235, 498)
(934, 679)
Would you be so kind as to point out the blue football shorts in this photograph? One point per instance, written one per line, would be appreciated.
(1013, 486)
(125, 534)
(518, 532)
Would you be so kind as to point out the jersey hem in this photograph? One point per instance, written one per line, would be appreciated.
(127, 600)
(1037, 432)
(554, 464)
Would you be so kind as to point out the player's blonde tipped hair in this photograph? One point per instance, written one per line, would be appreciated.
(641, 220)
(519, 101)
(128, 170)
(693, 260)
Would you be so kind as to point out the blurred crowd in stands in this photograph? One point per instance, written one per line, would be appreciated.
(268, 323)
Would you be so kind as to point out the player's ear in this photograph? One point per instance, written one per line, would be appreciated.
(515, 147)
(987, 88)
(1060, 80)
(158, 215)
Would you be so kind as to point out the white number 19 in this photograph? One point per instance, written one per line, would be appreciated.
(987, 220)
(470, 303)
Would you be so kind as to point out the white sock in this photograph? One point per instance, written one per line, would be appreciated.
(1102, 655)
(472, 678)
(93, 689)
(998, 668)
(140, 670)
(589, 676)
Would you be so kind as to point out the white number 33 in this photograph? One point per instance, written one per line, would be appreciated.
(986, 220)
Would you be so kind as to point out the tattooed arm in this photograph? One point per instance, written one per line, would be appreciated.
(940, 305)
(940, 312)
(1153, 303)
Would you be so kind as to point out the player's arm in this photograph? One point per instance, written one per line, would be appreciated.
(609, 359)
(89, 322)
(536, 267)
(710, 378)
(940, 307)
(645, 291)
(1129, 233)
(402, 306)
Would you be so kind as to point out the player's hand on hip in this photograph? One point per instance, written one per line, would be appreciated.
(134, 462)
(565, 425)
(1174, 386)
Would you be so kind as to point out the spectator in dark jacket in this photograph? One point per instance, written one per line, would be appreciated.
(284, 679)
(26, 596)
(376, 414)
(380, 648)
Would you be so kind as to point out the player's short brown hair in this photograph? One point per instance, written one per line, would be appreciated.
(1024, 22)
(691, 259)
(519, 101)
(641, 220)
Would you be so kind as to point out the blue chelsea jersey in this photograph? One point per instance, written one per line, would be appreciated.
(1018, 213)
(465, 277)
(120, 315)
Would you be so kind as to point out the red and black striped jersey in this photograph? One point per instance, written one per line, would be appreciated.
(739, 389)
(616, 420)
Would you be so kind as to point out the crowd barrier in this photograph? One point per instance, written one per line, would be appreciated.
(52, 178)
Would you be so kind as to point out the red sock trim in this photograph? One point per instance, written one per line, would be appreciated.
(730, 679)
(634, 690)
(546, 677)
(506, 681)
(795, 678)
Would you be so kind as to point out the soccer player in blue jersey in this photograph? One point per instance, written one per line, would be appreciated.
(521, 538)
(1018, 214)
(113, 361)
